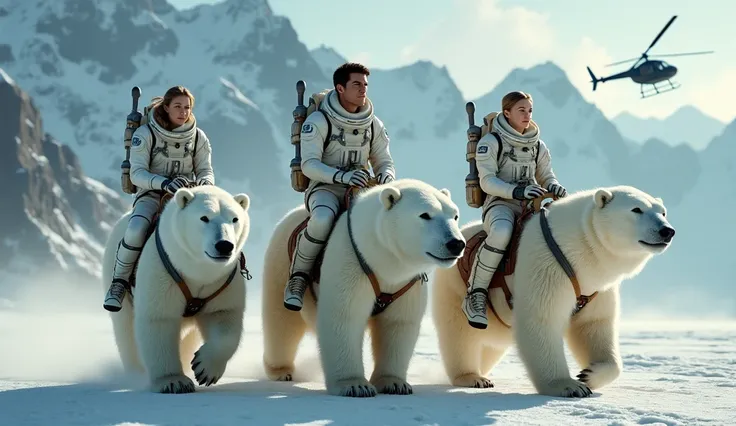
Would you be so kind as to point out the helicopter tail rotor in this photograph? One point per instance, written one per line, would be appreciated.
(593, 78)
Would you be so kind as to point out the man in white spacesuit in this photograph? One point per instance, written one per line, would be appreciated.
(166, 154)
(521, 170)
(356, 138)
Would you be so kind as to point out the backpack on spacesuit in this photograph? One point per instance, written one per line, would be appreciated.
(134, 120)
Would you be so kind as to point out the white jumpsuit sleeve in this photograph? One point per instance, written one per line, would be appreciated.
(203, 159)
(314, 132)
(485, 161)
(545, 176)
(380, 156)
(140, 158)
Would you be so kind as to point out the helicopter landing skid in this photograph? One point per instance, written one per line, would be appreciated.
(654, 90)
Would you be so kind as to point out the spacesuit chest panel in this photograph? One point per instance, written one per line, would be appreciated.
(518, 164)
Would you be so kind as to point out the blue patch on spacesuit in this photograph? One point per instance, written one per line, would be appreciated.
(136, 141)
(482, 149)
(307, 128)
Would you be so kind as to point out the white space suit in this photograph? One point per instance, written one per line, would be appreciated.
(160, 161)
(523, 168)
(356, 139)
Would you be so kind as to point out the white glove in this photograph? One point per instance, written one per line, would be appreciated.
(358, 178)
(171, 185)
(557, 189)
(528, 192)
(384, 178)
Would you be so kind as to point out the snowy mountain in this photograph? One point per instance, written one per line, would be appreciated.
(80, 58)
(55, 219)
(686, 125)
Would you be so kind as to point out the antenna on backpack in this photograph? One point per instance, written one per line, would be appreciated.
(133, 121)
(474, 195)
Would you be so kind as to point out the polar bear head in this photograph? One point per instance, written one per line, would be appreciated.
(418, 223)
(209, 225)
(630, 222)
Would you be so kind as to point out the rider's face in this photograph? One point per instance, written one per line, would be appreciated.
(179, 110)
(520, 115)
(355, 90)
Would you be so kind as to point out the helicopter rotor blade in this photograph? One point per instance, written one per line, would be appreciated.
(683, 54)
(656, 39)
(623, 62)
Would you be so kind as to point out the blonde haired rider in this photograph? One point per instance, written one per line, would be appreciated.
(523, 169)
(166, 154)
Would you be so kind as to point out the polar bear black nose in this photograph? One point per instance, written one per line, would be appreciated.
(666, 233)
(224, 247)
(455, 246)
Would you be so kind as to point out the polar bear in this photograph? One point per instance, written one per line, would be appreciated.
(401, 231)
(606, 235)
(200, 234)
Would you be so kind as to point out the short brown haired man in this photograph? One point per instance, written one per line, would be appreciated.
(356, 138)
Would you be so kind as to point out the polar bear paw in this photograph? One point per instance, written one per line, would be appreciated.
(355, 388)
(392, 385)
(472, 380)
(568, 388)
(599, 374)
(173, 384)
(207, 367)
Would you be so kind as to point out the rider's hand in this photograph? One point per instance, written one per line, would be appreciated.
(358, 178)
(384, 178)
(204, 181)
(171, 185)
(528, 192)
(557, 189)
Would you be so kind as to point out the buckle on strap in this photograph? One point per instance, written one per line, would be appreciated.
(193, 306)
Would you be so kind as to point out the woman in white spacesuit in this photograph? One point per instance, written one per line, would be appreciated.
(166, 154)
(521, 171)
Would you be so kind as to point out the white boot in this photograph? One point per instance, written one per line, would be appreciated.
(305, 254)
(484, 266)
(125, 259)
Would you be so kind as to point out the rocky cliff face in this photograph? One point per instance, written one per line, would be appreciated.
(54, 217)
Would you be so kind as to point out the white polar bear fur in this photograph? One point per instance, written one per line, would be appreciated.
(598, 233)
(151, 335)
(393, 240)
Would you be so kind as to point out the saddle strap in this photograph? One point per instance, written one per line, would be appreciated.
(582, 300)
(383, 300)
(193, 304)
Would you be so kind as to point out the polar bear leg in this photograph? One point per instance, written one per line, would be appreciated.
(221, 331)
(342, 317)
(158, 343)
(393, 341)
(541, 316)
(594, 344)
(190, 342)
(283, 329)
(122, 325)
(459, 344)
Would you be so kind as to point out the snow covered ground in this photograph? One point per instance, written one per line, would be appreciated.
(58, 366)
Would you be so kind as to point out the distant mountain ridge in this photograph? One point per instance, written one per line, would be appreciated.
(686, 125)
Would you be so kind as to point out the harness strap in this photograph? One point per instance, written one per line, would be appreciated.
(193, 304)
(383, 300)
(582, 300)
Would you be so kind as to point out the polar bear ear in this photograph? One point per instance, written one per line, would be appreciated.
(183, 196)
(603, 197)
(446, 192)
(389, 196)
(243, 200)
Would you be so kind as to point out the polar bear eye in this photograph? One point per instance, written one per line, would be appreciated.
(235, 219)
(457, 217)
(637, 210)
(204, 219)
(425, 216)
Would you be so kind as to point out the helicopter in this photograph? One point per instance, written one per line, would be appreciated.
(649, 72)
